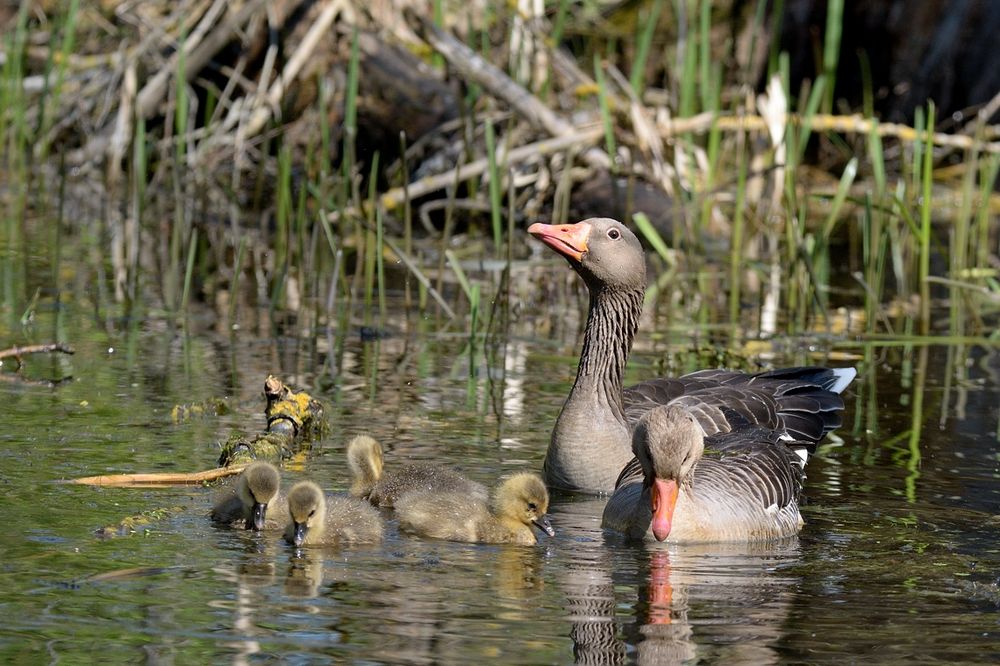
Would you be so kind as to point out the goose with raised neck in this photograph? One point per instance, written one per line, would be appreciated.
(591, 440)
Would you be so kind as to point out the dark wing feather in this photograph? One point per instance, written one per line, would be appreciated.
(795, 401)
(764, 464)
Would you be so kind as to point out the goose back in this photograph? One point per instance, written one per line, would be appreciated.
(383, 487)
(421, 477)
(802, 403)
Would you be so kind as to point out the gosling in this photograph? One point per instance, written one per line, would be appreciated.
(246, 502)
(383, 488)
(317, 520)
(518, 504)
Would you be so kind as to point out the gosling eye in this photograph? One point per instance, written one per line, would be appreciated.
(532, 506)
(312, 513)
(614, 234)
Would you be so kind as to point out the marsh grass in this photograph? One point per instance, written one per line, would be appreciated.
(750, 229)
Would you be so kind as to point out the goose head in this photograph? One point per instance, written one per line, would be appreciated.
(523, 500)
(364, 459)
(307, 510)
(258, 484)
(603, 251)
(668, 442)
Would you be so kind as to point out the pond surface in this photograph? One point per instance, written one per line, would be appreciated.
(899, 560)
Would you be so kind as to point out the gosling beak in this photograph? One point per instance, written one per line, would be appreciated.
(543, 524)
(664, 499)
(569, 240)
(256, 519)
(299, 536)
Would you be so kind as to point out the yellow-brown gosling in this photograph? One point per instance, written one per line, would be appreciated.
(246, 502)
(371, 481)
(518, 504)
(315, 519)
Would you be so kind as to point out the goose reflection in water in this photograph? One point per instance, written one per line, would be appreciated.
(305, 574)
(672, 604)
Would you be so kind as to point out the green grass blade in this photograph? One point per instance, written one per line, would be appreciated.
(846, 180)
(496, 213)
(638, 73)
(647, 229)
(831, 48)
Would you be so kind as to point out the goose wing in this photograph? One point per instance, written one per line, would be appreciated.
(801, 403)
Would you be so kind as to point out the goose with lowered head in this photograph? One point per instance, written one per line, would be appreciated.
(740, 486)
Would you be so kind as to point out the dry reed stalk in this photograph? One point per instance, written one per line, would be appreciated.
(151, 479)
(854, 124)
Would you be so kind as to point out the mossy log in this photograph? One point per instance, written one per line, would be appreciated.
(294, 420)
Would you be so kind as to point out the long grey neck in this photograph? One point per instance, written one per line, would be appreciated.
(591, 440)
(611, 326)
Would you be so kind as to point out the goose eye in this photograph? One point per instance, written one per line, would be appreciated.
(312, 513)
(614, 234)
(532, 506)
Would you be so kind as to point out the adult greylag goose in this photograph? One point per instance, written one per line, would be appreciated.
(591, 440)
(518, 504)
(371, 481)
(745, 489)
(318, 520)
(245, 503)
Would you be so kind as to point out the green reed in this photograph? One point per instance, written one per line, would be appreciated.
(178, 179)
(554, 40)
(283, 225)
(820, 257)
(407, 217)
(234, 286)
(987, 181)
(189, 271)
(959, 245)
(496, 212)
(473, 294)
(12, 98)
(712, 176)
(760, 14)
(372, 243)
(643, 44)
(380, 265)
(52, 99)
(927, 177)
(15, 137)
(349, 192)
(736, 239)
(831, 48)
(606, 118)
(708, 70)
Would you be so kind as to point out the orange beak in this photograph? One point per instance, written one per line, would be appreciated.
(664, 500)
(569, 240)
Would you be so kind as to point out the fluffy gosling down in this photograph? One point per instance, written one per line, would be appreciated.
(518, 504)
(315, 519)
(371, 481)
(245, 503)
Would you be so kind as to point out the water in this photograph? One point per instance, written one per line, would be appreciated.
(898, 560)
